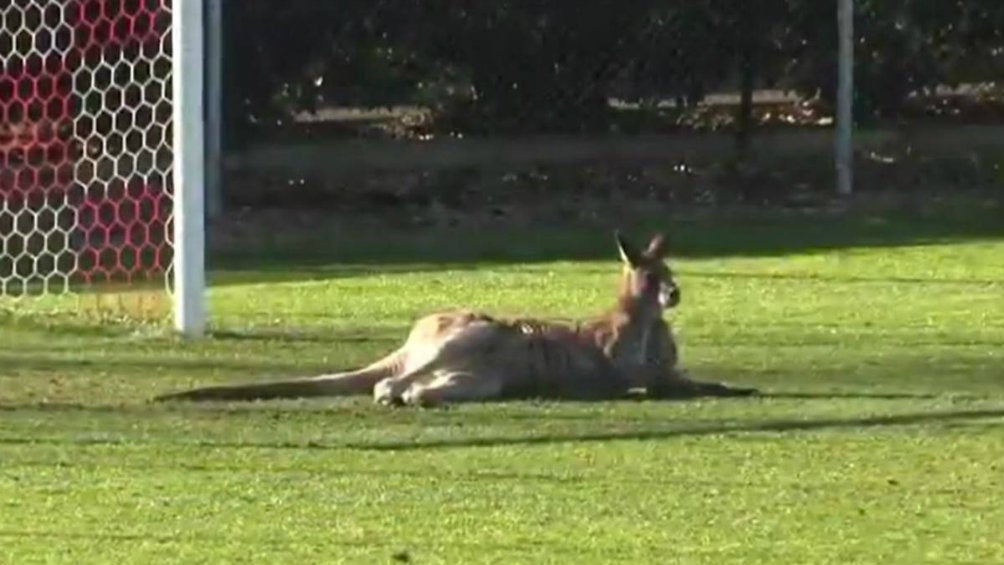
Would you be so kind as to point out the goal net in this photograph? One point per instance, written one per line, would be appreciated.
(86, 152)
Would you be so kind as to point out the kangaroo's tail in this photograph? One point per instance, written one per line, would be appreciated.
(348, 383)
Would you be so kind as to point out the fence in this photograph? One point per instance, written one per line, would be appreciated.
(371, 94)
(373, 107)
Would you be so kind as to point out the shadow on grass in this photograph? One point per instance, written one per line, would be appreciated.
(860, 396)
(189, 538)
(361, 404)
(391, 549)
(350, 253)
(775, 426)
(844, 279)
(68, 359)
(136, 366)
(718, 428)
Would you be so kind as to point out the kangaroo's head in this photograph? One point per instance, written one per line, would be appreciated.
(646, 280)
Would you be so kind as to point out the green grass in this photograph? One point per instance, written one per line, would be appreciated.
(881, 440)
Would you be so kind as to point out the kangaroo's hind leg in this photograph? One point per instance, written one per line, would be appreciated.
(390, 391)
(431, 360)
(454, 386)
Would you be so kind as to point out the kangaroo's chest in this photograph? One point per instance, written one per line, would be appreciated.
(633, 347)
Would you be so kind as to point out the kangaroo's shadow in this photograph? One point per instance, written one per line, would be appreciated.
(952, 418)
(777, 426)
(753, 394)
(863, 396)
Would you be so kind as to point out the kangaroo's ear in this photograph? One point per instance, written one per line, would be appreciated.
(629, 254)
(657, 247)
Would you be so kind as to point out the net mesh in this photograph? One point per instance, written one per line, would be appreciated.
(85, 146)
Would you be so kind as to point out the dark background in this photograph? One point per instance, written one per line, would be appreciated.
(458, 105)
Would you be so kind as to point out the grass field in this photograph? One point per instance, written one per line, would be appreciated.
(878, 340)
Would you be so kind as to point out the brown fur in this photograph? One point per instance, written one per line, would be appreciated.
(460, 355)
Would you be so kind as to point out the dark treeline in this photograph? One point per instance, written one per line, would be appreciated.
(551, 65)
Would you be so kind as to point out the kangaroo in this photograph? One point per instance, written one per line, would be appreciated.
(466, 356)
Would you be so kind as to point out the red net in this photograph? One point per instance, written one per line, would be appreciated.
(85, 143)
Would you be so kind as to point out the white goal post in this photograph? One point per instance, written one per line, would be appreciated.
(190, 168)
